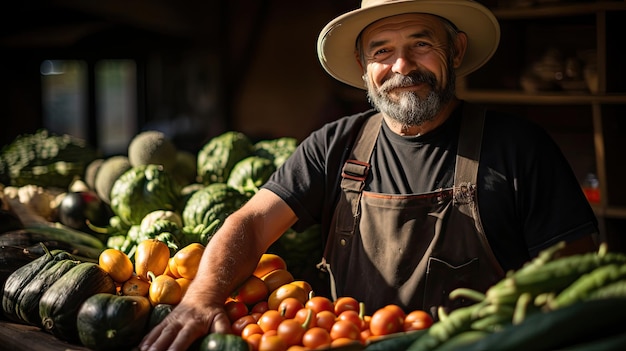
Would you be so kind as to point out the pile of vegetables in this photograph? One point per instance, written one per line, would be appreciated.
(100, 254)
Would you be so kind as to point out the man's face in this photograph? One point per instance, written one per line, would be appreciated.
(409, 70)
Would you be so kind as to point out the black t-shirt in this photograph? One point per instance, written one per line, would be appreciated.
(528, 196)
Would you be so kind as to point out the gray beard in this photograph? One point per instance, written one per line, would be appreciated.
(410, 109)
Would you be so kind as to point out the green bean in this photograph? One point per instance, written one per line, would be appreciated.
(589, 282)
(614, 289)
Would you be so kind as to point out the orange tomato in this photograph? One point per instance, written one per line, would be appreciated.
(152, 255)
(251, 329)
(291, 331)
(254, 340)
(345, 303)
(345, 329)
(417, 320)
(270, 320)
(319, 304)
(135, 286)
(289, 306)
(386, 321)
(267, 263)
(351, 316)
(117, 264)
(302, 316)
(235, 309)
(325, 319)
(164, 289)
(251, 291)
(343, 342)
(272, 343)
(284, 291)
(276, 278)
(315, 338)
(187, 260)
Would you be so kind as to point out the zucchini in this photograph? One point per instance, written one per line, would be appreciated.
(21, 277)
(59, 305)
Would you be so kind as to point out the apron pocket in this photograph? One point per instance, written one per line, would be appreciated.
(442, 278)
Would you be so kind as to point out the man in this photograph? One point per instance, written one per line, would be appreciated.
(428, 195)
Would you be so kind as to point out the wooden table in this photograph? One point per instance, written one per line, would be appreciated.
(19, 337)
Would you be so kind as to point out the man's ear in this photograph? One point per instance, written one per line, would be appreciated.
(460, 44)
(357, 57)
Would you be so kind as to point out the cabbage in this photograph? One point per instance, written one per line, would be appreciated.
(141, 190)
(277, 150)
(250, 173)
(218, 156)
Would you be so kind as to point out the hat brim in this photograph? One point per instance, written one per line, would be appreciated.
(336, 42)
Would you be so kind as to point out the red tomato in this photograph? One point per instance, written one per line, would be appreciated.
(316, 337)
(346, 303)
(386, 321)
(302, 315)
(417, 320)
(241, 323)
(260, 306)
(235, 309)
(320, 303)
(251, 291)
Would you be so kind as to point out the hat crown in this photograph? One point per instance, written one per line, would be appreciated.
(370, 3)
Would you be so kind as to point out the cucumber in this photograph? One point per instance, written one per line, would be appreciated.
(571, 325)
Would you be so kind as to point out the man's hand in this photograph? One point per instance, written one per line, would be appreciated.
(186, 323)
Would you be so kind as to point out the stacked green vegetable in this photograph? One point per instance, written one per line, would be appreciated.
(553, 302)
(45, 159)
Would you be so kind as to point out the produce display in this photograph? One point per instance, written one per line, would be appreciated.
(102, 257)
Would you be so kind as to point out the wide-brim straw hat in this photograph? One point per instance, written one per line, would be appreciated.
(336, 43)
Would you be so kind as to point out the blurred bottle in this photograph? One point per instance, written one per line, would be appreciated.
(591, 188)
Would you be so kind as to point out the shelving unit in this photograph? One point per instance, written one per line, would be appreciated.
(543, 70)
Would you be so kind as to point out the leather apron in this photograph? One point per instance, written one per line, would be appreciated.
(410, 250)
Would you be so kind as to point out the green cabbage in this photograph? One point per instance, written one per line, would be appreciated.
(277, 150)
(141, 190)
(250, 173)
(218, 156)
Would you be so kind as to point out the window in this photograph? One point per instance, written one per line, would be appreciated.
(66, 101)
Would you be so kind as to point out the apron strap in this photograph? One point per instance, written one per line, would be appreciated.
(355, 171)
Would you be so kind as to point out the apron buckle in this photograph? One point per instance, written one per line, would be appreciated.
(355, 170)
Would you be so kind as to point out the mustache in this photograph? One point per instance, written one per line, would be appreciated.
(414, 77)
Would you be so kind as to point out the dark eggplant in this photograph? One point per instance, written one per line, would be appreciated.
(76, 208)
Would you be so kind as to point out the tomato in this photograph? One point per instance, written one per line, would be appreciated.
(260, 307)
(272, 343)
(164, 289)
(284, 291)
(251, 291)
(235, 309)
(267, 263)
(319, 304)
(346, 303)
(270, 320)
(351, 316)
(254, 340)
(343, 342)
(187, 260)
(325, 319)
(276, 278)
(135, 286)
(303, 315)
(251, 329)
(397, 310)
(238, 325)
(290, 306)
(291, 331)
(117, 264)
(417, 320)
(345, 329)
(316, 337)
(386, 321)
